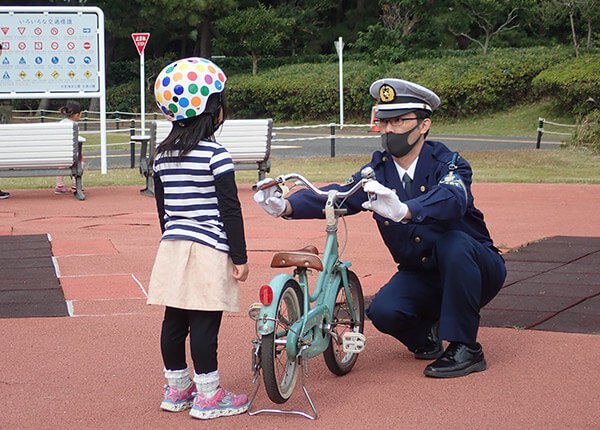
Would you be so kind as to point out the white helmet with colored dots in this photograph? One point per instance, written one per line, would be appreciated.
(183, 87)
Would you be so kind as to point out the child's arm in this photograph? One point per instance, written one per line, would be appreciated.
(231, 216)
(159, 195)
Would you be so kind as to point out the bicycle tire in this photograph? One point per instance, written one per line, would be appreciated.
(338, 361)
(280, 373)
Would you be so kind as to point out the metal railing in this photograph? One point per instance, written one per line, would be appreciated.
(541, 130)
(332, 136)
(128, 125)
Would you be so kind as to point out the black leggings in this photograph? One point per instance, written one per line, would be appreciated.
(203, 328)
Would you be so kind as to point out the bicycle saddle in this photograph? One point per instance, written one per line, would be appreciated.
(306, 257)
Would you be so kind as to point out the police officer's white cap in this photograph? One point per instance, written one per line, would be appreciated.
(397, 97)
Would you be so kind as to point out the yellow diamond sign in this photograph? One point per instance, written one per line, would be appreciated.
(87, 74)
(39, 75)
(22, 75)
(71, 74)
(55, 74)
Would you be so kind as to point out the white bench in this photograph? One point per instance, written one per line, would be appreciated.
(247, 140)
(41, 150)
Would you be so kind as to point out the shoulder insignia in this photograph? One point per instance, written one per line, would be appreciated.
(456, 181)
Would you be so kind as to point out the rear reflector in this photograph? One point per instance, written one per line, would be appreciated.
(266, 295)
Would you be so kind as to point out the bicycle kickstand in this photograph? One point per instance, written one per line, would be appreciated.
(302, 361)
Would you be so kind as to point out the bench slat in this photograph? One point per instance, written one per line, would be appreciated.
(247, 140)
(41, 150)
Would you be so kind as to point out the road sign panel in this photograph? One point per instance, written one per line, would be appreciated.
(140, 40)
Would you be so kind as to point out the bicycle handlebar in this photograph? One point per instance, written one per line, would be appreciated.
(367, 173)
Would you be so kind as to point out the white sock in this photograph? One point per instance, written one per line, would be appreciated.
(179, 379)
(207, 383)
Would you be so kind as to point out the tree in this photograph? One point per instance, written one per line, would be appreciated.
(403, 16)
(484, 19)
(255, 32)
(580, 13)
(185, 22)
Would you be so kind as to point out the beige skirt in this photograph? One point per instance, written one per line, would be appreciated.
(190, 275)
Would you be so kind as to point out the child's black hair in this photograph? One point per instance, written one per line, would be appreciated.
(187, 133)
(72, 107)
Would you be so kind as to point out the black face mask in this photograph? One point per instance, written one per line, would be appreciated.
(397, 143)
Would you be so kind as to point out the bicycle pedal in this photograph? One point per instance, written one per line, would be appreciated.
(354, 342)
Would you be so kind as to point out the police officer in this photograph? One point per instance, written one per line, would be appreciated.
(448, 267)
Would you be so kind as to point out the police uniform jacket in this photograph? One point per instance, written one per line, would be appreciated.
(440, 201)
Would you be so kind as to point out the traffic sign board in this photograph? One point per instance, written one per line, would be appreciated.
(140, 40)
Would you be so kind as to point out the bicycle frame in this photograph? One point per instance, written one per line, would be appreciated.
(316, 317)
(305, 331)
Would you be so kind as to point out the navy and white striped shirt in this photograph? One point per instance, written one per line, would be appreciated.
(190, 198)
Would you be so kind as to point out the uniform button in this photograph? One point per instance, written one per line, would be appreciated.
(384, 159)
(423, 189)
(417, 239)
(394, 190)
(424, 260)
(386, 223)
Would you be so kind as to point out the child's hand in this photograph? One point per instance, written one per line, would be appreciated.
(240, 272)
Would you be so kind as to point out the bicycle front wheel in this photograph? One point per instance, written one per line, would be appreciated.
(338, 361)
(279, 372)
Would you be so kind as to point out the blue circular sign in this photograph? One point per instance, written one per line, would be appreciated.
(54, 60)
(38, 60)
(87, 60)
(71, 60)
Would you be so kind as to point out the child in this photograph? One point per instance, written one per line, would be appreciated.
(72, 113)
(202, 254)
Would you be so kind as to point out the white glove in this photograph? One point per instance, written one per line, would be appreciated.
(270, 199)
(387, 204)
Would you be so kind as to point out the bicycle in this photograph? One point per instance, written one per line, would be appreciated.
(293, 325)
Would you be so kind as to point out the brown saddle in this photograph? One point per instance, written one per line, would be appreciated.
(306, 257)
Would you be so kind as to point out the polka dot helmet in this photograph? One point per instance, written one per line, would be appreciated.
(183, 87)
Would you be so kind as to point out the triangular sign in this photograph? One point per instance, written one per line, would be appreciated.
(140, 40)
(5, 30)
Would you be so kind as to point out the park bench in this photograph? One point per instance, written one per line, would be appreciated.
(247, 140)
(41, 150)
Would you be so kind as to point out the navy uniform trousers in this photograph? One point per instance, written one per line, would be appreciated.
(469, 275)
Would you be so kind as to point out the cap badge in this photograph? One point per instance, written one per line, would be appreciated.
(387, 93)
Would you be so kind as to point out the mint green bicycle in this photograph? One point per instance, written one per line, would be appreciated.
(293, 324)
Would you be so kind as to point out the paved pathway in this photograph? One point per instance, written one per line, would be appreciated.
(101, 368)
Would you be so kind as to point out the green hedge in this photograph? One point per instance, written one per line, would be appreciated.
(572, 84)
(467, 85)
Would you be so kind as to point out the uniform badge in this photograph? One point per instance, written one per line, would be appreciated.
(387, 93)
(456, 181)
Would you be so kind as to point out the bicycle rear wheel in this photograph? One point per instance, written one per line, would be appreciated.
(338, 361)
(279, 372)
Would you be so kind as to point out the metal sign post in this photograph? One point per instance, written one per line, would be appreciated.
(339, 47)
(140, 40)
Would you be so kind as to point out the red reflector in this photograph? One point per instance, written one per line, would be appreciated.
(266, 295)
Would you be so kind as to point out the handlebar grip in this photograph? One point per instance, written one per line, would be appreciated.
(271, 183)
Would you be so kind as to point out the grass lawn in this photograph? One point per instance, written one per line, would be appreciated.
(560, 165)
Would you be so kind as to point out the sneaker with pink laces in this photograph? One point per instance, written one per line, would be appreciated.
(177, 401)
(62, 190)
(221, 404)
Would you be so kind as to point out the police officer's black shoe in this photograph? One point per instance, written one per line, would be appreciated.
(433, 349)
(459, 359)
